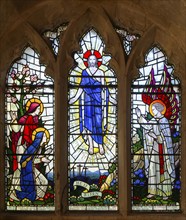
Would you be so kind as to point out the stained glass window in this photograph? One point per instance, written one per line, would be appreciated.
(29, 155)
(155, 136)
(92, 128)
(54, 37)
(127, 39)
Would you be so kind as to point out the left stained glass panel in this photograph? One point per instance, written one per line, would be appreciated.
(29, 133)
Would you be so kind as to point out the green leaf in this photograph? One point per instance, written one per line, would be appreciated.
(112, 168)
(140, 133)
(137, 146)
(38, 202)
(149, 116)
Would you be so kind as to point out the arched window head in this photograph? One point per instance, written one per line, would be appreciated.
(29, 153)
(155, 136)
(92, 127)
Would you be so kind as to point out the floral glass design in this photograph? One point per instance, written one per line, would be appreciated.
(54, 37)
(92, 128)
(155, 136)
(127, 39)
(29, 133)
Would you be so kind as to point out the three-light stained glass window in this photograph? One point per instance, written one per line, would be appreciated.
(29, 153)
(92, 132)
(155, 136)
(92, 128)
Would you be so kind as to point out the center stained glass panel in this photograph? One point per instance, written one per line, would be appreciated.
(92, 128)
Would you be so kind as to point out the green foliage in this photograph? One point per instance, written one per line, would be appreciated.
(26, 202)
(157, 200)
(80, 199)
(8, 150)
(12, 203)
(176, 195)
(175, 139)
(149, 116)
(140, 191)
(113, 188)
(50, 189)
(112, 168)
(109, 200)
(137, 146)
(93, 187)
(40, 123)
(140, 133)
(38, 202)
(73, 199)
(90, 202)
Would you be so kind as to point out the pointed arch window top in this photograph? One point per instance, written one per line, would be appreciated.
(28, 71)
(92, 44)
(156, 60)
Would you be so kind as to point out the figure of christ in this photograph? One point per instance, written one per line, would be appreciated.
(93, 98)
(158, 151)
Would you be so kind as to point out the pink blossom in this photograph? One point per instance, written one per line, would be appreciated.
(14, 99)
(13, 74)
(33, 78)
(27, 89)
(15, 87)
(26, 70)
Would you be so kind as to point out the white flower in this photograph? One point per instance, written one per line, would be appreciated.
(135, 138)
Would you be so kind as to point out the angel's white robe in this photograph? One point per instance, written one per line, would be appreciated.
(159, 183)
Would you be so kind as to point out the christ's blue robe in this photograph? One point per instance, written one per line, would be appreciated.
(91, 108)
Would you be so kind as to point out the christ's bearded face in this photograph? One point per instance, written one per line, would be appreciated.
(92, 61)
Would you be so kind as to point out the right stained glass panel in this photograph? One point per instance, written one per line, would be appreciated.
(155, 136)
